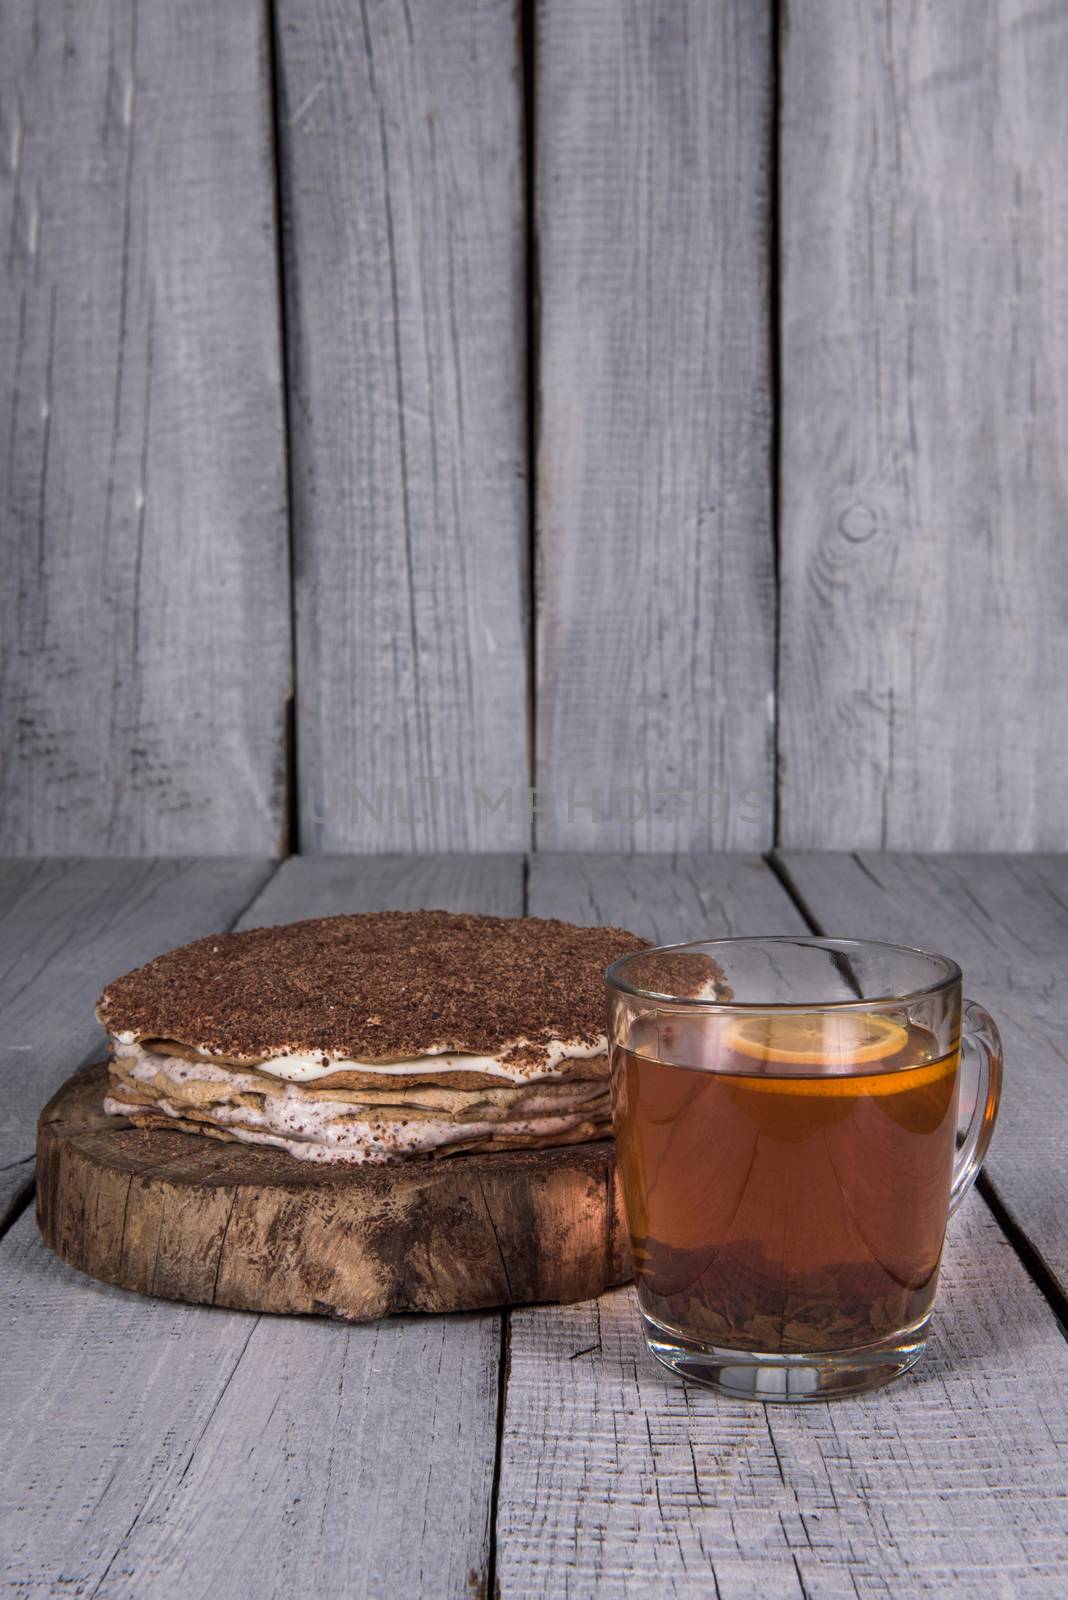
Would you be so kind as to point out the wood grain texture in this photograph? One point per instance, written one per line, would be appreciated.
(194, 1219)
(663, 898)
(144, 612)
(401, 157)
(617, 1480)
(655, 558)
(924, 661)
(149, 1449)
(66, 929)
(364, 1455)
(1005, 919)
(226, 1224)
(330, 886)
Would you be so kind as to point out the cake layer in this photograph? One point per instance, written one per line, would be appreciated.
(522, 995)
(385, 1123)
(455, 1069)
(371, 1038)
(368, 1151)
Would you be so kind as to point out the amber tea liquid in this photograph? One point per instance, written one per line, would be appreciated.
(780, 1199)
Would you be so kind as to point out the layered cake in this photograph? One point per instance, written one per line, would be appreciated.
(371, 1038)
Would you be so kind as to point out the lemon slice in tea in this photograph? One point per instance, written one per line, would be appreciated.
(829, 1039)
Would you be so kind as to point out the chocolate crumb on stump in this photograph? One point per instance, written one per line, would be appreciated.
(325, 1037)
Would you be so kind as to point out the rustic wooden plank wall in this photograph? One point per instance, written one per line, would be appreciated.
(792, 567)
(924, 665)
(402, 182)
(144, 618)
(655, 627)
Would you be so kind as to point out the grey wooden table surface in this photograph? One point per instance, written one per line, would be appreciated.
(152, 1449)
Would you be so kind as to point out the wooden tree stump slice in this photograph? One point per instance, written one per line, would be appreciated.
(192, 1218)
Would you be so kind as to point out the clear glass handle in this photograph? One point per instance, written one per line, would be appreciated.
(981, 1044)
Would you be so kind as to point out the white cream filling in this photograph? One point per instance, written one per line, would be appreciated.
(326, 1130)
(149, 1068)
(357, 1143)
(307, 1066)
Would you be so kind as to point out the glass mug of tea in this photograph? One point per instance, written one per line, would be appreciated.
(786, 1115)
